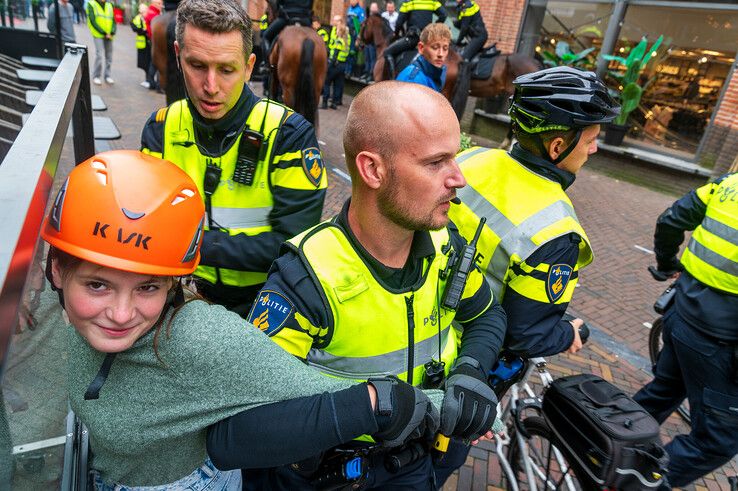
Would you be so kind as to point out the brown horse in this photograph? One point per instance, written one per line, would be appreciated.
(299, 63)
(505, 69)
(377, 31)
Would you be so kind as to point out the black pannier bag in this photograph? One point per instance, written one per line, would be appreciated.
(605, 433)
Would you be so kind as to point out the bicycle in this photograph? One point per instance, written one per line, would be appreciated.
(655, 336)
(527, 449)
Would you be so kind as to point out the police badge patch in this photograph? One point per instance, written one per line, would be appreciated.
(313, 165)
(270, 312)
(558, 277)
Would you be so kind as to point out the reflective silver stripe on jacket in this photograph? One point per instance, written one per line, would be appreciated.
(234, 218)
(393, 363)
(471, 154)
(514, 239)
(713, 258)
(725, 232)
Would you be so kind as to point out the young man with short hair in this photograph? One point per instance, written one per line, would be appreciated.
(429, 66)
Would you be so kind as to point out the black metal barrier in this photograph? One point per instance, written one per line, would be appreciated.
(24, 42)
(27, 176)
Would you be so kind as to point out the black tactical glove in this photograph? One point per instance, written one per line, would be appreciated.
(666, 271)
(403, 413)
(469, 404)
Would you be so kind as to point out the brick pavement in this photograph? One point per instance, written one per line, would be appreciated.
(615, 293)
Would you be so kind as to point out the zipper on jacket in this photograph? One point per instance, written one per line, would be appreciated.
(410, 338)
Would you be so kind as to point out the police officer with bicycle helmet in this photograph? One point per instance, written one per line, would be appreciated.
(533, 245)
(699, 359)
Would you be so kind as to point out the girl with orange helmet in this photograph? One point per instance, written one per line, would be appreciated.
(149, 372)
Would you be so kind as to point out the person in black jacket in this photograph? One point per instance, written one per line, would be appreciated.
(471, 26)
(699, 359)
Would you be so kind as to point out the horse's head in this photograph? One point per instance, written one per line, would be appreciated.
(366, 32)
(376, 30)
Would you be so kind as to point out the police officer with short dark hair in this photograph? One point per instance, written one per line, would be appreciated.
(257, 163)
(471, 26)
(699, 359)
(414, 16)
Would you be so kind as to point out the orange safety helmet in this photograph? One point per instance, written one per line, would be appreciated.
(129, 211)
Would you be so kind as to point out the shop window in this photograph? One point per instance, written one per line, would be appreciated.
(580, 25)
(686, 76)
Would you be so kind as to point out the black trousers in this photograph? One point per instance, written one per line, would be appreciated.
(701, 369)
(334, 79)
(473, 46)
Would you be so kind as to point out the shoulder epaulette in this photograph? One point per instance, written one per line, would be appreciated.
(161, 115)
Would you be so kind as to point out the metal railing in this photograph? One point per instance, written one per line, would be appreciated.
(26, 179)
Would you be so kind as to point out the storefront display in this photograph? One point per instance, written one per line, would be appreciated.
(682, 87)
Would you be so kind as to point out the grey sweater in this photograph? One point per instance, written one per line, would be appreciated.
(149, 424)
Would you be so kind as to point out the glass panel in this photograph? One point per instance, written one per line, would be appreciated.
(685, 76)
(34, 379)
(581, 26)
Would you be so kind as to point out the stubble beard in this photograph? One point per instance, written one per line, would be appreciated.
(402, 214)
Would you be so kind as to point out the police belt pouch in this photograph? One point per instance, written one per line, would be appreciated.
(605, 434)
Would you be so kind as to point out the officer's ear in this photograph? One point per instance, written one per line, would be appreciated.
(556, 147)
(176, 55)
(371, 169)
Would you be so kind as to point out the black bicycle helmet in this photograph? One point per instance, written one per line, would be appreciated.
(560, 98)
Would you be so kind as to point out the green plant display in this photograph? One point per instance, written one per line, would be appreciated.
(466, 142)
(631, 89)
(565, 56)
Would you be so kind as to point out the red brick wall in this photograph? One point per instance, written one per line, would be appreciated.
(721, 141)
(503, 19)
(729, 106)
(339, 7)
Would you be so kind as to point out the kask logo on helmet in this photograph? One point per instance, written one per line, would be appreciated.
(101, 229)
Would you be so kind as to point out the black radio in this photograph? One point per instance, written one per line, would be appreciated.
(249, 153)
(212, 178)
(458, 269)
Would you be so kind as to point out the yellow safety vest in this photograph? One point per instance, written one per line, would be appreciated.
(104, 19)
(338, 47)
(374, 328)
(263, 22)
(712, 253)
(323, 34)
(524, 210)
(139, 22)
(468, 12)
(239, 208)
(411, 5)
